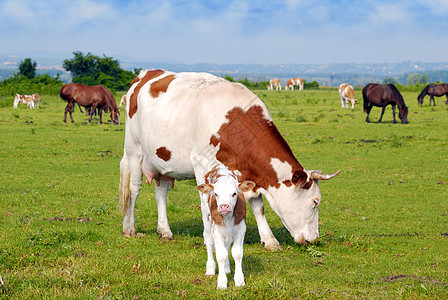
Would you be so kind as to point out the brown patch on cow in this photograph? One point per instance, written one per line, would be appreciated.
(140, 83)
(215, 215)
(239, 212)
(248, 142)
(163, 153)
(160, 86)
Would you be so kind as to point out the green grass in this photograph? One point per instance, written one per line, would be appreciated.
(383, 220)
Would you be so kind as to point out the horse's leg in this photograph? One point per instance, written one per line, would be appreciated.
(68, 109)
(266, 235)
(100, 114)
(92, 109)
(369, 108)
(393, 113)
(163, 228)
(382, 113)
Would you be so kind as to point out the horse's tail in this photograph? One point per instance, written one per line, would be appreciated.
(364, 97)
(124, 185)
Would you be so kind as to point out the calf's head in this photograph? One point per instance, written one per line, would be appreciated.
(225, 192)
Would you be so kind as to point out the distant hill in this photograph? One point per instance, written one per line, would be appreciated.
(356, 74)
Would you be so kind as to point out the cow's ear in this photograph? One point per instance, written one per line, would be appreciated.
(299, 177)
(246, 186)
(205, 188)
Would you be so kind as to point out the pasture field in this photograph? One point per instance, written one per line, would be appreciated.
(383, 219)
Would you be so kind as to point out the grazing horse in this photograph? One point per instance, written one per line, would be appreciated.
(433, 90)
(381, 96)
(91, 97)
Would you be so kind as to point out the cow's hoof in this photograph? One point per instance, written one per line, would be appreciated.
(128, 233)
(165, 235)
(273, 247)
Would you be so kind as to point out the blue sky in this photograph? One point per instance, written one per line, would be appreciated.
(271, 32)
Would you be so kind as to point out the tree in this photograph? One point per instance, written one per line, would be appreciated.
(27, 68)
(90, 69)
(390, 80)
(415, 78)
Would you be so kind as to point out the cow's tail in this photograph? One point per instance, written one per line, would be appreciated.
(124, 190)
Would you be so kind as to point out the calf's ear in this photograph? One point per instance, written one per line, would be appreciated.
(246, 186)
(205, 188)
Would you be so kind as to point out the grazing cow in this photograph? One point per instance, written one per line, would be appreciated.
(274, 82)
(224, 215)
(347, 94)
(29, 100)
(292, 82)
(122, 101)
(180, 125)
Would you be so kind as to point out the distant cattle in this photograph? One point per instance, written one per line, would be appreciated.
(381, 96)
(294, 82)
(347, 94)
(180, 125)
(31, 101)
(224, 215)
(92, 98)
(274, 83)
(432, 90)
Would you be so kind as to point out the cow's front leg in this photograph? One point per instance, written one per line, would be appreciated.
(222, 255)
(266, 235)
(208, 237)
(237, 254)
(163, 228)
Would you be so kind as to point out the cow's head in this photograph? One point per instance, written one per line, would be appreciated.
(297, 204)
(225, 192)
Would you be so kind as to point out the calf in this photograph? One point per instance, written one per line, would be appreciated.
(29, 100)
(224, 215)
(347, 93)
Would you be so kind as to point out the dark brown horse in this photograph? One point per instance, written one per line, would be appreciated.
(381, 96)
(433, 90)
(91, 97)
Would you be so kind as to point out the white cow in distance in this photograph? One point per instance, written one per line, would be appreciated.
(292, 82)
(29, 100)
(347, 94)
(274, 83)
(223, 208)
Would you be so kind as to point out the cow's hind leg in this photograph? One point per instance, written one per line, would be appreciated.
(163, 228)
(266, 235)
(135, 184)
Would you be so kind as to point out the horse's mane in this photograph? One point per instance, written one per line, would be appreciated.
(424, 91)
(398, 96)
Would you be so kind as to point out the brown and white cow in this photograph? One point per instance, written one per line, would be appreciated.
(292, 82)
(274, 83)
(347, 94)
(180, 125)
(29, 100)
(224, 215)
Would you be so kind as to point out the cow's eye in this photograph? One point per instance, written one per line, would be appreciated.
(234, 195)
(316, 202)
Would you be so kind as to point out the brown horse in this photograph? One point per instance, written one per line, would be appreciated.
(381, 96)
(91, 97)
(433, 90)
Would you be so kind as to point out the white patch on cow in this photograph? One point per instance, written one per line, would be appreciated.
(283, 169)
